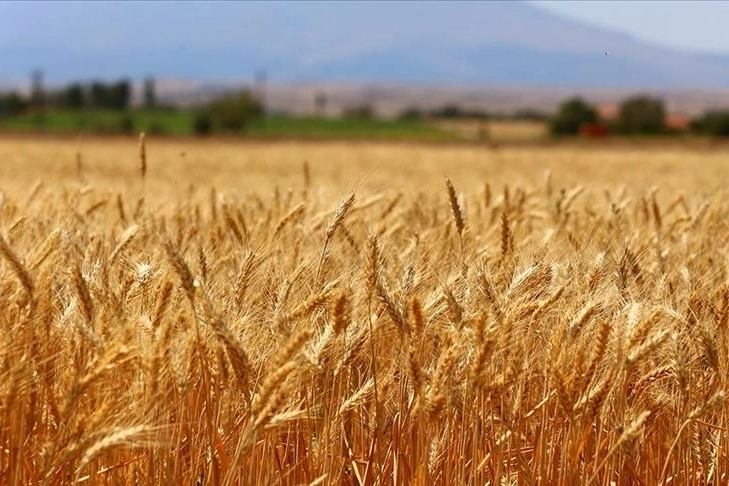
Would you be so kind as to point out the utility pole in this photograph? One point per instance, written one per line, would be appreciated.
(260, 80)
(150, 95)
(37, 93)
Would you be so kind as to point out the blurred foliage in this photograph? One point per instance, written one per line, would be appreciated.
(12, 104)
(572, 114)
(642, 115)
(228, 114)
(363, 111)
(714, 123)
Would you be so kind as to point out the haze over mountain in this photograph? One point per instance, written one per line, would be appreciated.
(469, 43)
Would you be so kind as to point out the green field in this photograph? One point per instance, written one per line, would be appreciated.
(169, 122)
(67, 121)
(348, 128)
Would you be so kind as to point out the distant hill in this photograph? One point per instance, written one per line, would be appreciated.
(469, 43)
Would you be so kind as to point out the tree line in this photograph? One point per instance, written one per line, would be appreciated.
(232, 112)
(637, 115)
(115, 95)
(227, 113)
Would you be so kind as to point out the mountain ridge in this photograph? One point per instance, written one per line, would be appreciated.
(471, 43)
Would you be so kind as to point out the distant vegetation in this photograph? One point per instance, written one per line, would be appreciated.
(638, 115)
(714, 123)
(106, 108)
(456, 112)
(572, 115)
(641, 115)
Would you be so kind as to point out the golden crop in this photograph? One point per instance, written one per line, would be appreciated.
(226, 313)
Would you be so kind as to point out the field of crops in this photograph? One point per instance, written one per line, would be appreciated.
(176, 123)
(296, 313)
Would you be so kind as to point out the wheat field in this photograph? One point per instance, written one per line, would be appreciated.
(187, 312)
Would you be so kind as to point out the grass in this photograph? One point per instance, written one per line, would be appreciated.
(349, 128)
(96, 121)
(168, 122)
(233, 313)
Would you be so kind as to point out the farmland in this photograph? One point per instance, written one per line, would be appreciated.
(222, 312)
(181, 122)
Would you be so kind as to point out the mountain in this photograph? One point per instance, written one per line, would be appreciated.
(448, 43)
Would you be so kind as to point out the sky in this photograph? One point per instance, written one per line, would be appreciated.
(529, 41)
(688, 25)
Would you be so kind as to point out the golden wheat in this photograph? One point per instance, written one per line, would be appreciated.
(233, 324)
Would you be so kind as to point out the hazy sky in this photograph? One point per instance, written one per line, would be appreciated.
(448, 41)
(689, 25)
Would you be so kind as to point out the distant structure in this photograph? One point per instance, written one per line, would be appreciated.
(593, 130)
(320, 103)
(678, 122)
(608, 112)
(150, 94)
(37, 90)
(259, 83)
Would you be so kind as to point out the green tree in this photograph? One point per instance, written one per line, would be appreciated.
(72, 96)
(150, 92)
(231, 113)
(99, 95)
(714, 123)
(119, 95)
(642, 115)
(202, 124)
(12, 104)
(572, 114)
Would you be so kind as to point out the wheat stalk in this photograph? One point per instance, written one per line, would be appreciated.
(143, 155)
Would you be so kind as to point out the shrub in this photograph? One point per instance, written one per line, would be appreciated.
(231, 113)
(202, 124)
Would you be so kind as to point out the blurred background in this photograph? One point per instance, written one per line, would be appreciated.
(516, 71)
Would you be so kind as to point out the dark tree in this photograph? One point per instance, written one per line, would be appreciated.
(72, 96)
(642, 115)
(259, 93)
(12, 104)
(233, 112)
(113, 96)
(150, 94)
(202, 124)
(714, 123)
(119, 95)
(99, 94)
(37, 90)
(572, 114)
